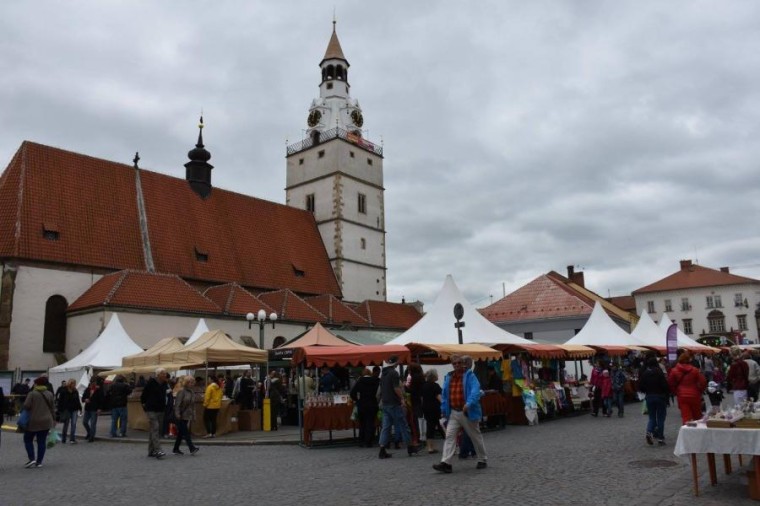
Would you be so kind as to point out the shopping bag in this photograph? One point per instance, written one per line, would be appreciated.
(53, 438)
(644, 410)
(355, 413)
(23, 421)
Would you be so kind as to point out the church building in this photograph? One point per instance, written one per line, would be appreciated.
(83, 238)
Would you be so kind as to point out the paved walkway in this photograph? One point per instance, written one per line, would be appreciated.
(574, 461)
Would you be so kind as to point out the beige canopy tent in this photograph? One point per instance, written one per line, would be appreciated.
(151, 355)
(441, 353)
(317, 336)
(140, 369)
(213, 349)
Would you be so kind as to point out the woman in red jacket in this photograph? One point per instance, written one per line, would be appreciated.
(688, 384)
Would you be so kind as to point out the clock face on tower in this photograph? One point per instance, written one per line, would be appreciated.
(357, 118)
(314, 117)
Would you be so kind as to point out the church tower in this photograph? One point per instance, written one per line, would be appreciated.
(337, 174)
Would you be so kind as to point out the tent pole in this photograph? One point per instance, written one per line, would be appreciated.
(301, 383)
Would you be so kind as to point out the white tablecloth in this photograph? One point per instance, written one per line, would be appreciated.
(702, 439)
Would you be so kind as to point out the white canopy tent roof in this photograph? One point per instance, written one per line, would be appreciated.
(684, 341)
(105, 352)
(648, 333)
(600, 330)
(200, 329)
(437, 326)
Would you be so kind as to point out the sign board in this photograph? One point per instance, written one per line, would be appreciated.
(672, 343)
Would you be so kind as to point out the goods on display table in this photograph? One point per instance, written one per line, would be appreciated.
(722, 432)
(327, 412)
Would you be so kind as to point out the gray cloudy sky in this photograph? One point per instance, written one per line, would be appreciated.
(520, 137)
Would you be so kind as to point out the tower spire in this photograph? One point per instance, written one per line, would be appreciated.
(198, 170)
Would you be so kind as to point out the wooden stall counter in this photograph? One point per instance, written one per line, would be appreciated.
(226, 418)
(335, 417)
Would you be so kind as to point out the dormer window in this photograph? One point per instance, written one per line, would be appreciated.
(298, 270)
(201, 255)
(50, 231)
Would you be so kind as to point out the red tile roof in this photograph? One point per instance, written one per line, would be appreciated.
(92, 205)
(389, 315)
(335, 310)
(290, 306)
(544, 297)
(236, 300)
(625, 302)
(144, 290)
(695, 276)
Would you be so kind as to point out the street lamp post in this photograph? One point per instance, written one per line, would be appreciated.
(261, 318)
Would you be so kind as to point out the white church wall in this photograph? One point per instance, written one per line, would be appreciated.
(362, 282)
(34, 286)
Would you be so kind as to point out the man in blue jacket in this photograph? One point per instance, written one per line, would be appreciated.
(460, 405)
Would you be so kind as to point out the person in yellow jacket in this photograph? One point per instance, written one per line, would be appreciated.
(212, 402)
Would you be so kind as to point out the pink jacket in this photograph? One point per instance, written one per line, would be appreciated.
(604, 383)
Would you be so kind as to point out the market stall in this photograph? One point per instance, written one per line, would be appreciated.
(333, 412)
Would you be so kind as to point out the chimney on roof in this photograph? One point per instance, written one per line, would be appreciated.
(198, 170)
(724, 269)
(685, 264)
(575, 277)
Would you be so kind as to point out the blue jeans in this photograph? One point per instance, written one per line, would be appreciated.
(394, 415)
(657, 408)
(90, 422)
(41, 437)
(618, 398)
(607, 409)
(72, 419)
(119, 415)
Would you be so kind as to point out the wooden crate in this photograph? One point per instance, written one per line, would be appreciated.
(719, 424)
(747, 423)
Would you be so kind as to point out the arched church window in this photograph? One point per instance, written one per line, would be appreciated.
(54, 334)
(278, 341)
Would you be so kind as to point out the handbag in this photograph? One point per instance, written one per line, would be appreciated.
(23, 421)
(355, 413)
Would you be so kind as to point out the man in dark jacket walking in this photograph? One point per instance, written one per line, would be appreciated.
(654, 385)
(118, 395)
(153, 400)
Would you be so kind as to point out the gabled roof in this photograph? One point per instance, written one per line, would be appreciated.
(66, 208)
(317, 336)
(335, 310)
(544, 297)
(600, 330)
(695, 276)
(334, 51)
(624, 302)
(236, 300)
(388, 315)
(550, 296)
(290, 306)
(144, 290)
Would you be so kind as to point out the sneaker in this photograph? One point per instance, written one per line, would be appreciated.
(384, 454)
(73, 442)
(38, 465)
(412, 450)
(30, 464)
(650, 439)
(443, 467)
(661, 442)
(207, 436)
(481, 465)
(178, 452)
(194, 450)
(159, 454)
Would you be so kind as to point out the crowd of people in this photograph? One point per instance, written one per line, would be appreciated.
(687, 382)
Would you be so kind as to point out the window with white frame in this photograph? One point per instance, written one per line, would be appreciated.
(685, 306)
(717, 322)
(687, 326)
(650, 306)
(668, 306)
(738, 300)
(741, 321)
(718, 302)
(709, 302)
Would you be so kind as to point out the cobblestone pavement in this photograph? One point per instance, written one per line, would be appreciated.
(579, 460)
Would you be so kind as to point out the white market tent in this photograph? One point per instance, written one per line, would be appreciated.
(602, 332)
(106, 352)
(200, 329)
(684, 341)
(648, 333)
(437, 326)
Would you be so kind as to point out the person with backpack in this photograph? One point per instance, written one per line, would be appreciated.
(654, 385)
(40, 404)
(619, 380)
